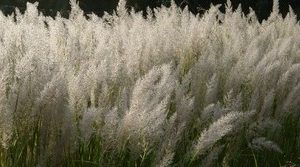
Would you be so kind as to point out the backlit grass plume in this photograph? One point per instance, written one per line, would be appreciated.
(166, 89)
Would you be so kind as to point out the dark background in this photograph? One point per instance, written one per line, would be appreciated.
(51, 7)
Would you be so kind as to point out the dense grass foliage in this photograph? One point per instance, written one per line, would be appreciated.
(171, 90)
(262, 8)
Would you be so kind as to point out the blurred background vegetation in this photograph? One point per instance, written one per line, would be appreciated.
(51, 7)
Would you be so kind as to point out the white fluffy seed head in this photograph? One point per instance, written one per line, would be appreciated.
(216, 131)
(146, 117)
